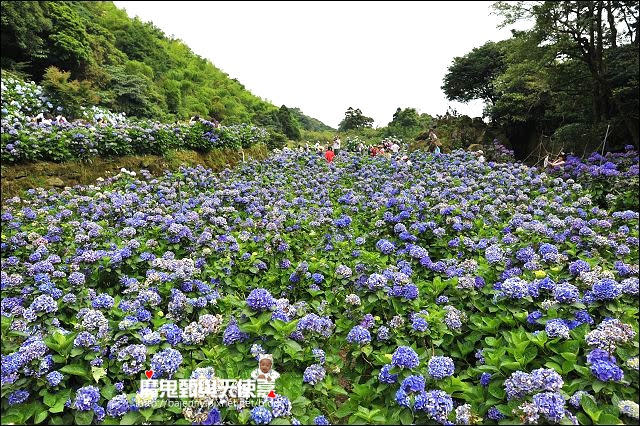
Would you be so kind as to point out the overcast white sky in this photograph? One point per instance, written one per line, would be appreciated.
(326, 56)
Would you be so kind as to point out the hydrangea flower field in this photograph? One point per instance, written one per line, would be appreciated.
(445, 290)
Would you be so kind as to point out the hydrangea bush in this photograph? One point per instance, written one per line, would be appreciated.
(447, 290)
(23, 140)
(22, 99)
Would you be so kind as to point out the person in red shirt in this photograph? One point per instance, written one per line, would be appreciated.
(329, 154)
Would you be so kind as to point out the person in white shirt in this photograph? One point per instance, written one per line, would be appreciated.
(395, 148)
(360, 147)
(336, 145)
(60, 119)
(318, 148)
(44, 119)
(265, 370)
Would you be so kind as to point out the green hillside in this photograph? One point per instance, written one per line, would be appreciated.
(309, 123)
(124, 64)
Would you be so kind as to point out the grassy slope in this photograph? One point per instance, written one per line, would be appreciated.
(20, 177)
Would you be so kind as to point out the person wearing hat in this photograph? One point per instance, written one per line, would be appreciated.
(265, 369)
(434, 142)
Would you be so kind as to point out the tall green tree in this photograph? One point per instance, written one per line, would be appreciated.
(288, 125)
(585, 31)
(25, 25)
(407, 123)
(472, 76)
(354, 119)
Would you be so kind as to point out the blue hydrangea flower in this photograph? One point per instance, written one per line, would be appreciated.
(436, 404)
(321, 420)
(385, 377)
(280, 406)
(533, 317)
(232, 334)
(485, 379)
(419, 324)
(414, 383)
(550, 405)
(213, 418)
(313, 374)
(166, 363)
(515, 288)
(494, 414)
(383, 333)
(86, 398)
(604, 367)
(385, 246)
(557, 328)
(18, 397)
(319, 355)
(359, 335)
(261, 415)
(54, 378)
(99, 413)
(575, 268)
(118, 406)
(566, 293)
(260, 300)
(441, 367)
(405, 357)
(583, 317)
(606, 289)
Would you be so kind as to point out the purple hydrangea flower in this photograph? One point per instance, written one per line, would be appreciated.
(359, 335)
(260, 300)
(441, 367)
(261, 415)
(405, 357)
(385, 377)
(86, 398)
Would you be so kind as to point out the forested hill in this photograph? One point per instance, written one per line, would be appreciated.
(309, 123)
(124, 64)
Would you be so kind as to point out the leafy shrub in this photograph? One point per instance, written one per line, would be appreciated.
(276, 140)
(71, 95)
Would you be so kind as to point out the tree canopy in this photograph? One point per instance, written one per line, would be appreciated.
(354, 119)
(565, 83)
(471, 76)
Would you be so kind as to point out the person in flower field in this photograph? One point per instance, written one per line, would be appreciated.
(434, 142)
(336, 145)
(329, 154)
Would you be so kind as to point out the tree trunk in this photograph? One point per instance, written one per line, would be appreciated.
(613, 32)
